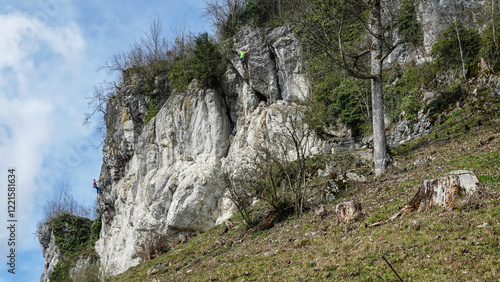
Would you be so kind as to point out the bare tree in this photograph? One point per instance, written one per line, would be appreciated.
(358, 36)
(276, 170)
(290, 151)
(223, 14)
(117, 63)
(63, 202)
(154, 43)
(240, 193)
(97, 104)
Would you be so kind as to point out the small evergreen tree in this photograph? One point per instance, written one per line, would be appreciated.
(208, 65)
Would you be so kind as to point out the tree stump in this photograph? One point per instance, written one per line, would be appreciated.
(229, 225)
(321, 212)
(443, 192)
(348, 211)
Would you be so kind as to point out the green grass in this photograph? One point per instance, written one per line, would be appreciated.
(490, 179)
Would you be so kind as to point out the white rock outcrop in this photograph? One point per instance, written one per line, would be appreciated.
(348, 211)
(167, 177)
(172, 184)
(50, 251)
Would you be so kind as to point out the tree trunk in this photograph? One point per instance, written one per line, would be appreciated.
(380, 155)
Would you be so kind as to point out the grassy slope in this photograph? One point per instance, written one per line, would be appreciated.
(433, 245)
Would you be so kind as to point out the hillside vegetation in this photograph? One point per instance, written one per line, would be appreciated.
(436, 245)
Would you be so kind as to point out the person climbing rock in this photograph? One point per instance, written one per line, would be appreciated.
(96, 187)
(243, 58)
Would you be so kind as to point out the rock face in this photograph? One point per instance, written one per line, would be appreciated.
(167, 177)
(49, 250)
(276, 64)
(407, 130)
(435, 16)
(172, 183)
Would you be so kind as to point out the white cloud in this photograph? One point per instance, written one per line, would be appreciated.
(40, 103)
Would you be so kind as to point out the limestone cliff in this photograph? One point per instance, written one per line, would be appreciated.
(167, 177)
(49, 250)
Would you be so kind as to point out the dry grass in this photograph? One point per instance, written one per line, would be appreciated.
(436, 245)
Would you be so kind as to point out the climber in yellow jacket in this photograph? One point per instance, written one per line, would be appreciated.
(243, 58)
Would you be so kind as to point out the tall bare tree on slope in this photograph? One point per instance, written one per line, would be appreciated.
(357, 37)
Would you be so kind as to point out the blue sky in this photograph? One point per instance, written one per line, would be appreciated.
(50, 51)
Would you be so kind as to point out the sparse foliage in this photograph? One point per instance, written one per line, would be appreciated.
(240, 196)
(146, 57)
(277, 174)
(490, 43)
(153, 245)
(63, 202)
(147, 54)
(349, 102)
(97, 102)
(223, 15)
(402, 92)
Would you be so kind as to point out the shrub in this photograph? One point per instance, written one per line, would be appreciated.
(403, 94)
(152, 110)
(72, 233)
(208, 65)
(96, 228)
(153, 245)
(446, 98)
(348, 103)
(456, 46)
(181, 73)
(61, 272)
